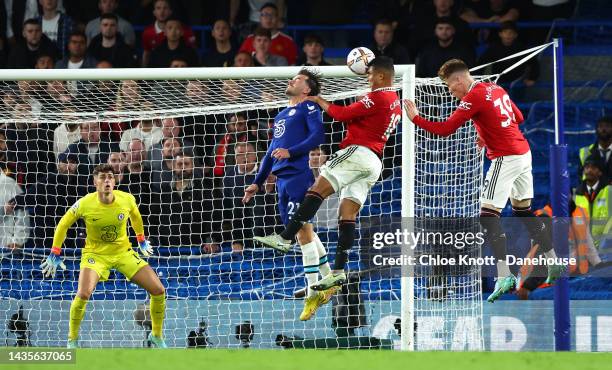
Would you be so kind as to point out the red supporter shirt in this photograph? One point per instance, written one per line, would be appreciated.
(151, 39)
(281, 44)
(495, 116)
(369, 121)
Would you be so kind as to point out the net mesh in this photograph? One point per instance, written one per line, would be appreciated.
(222, 291)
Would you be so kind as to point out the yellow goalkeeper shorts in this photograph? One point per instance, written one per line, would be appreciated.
(128, 263)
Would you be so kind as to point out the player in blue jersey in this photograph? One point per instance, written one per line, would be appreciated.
(297, 130)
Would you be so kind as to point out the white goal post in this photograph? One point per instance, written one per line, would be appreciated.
(439, 177)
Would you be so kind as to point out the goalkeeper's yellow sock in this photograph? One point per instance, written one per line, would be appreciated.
(77, 312)
(158, 309)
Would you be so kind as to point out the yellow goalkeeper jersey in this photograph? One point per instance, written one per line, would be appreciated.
(105, 224)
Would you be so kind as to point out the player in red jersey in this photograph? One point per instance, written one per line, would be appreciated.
(354, 169)
(497, 121)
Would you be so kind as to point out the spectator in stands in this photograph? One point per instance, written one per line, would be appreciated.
(600, 150)
(76, 58)
(154, 35)
(384, 44)
(171, 129)
(136, 157)
(88, 152)
(125, 29)
(146, 130)
(280, 44)
(423, 31)
(44, 61)
(161, 166)
(238, 218)
(117, 161)
(56, 25)
(64, 135)
(179, 63)
(479, 11)
(137, 175)
(313, 52)
(108, 45)
(222, 52)
(254, 16)
(507, 45)
(243, 59)
(594, 194)
(327, 215)
(129, 98)
(443, 49)
(173, 47)
(58, 93)
(34, 43)
(262, 55)
(548, 10)
(184, 205)
(237, 130)
(14, 224)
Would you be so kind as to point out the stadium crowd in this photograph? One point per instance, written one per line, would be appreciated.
(189, 175)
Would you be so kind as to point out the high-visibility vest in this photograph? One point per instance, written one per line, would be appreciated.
(583, 153)
(578, 237)
(599, 212)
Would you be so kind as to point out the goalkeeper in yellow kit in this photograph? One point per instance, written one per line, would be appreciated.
(107, 247)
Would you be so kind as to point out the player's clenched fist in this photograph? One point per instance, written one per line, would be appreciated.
(249, 192)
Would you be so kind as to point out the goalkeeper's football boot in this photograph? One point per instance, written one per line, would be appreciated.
(311, 305)
(330, 281)
(157, 341)
(72, 344)
(329, 293)
(554, 272)
(502, 286)
(274, 241)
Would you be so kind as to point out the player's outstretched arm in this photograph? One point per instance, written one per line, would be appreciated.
(445, 128)
(53, 261)
(360, 108)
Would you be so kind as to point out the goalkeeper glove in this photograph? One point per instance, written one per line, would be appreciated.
(144, 246)
(49, 267)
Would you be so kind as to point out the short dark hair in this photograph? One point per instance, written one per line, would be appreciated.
(313, 38)
(103, 168)
(445, 20)
(604, 119)
(260, 31)
(382, 63)
(269, 5)
(508, 25)
(173, 18)
(451, 66)
(384, 22)
(77, 34)
(32, 21)
(313, 81)
(109, 16)
(595, 162)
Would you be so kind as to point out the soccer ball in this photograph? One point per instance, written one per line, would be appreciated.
(358, 59)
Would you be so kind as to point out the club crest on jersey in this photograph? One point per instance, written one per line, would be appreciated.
(121, 216)
(279, 128)
(91, 261)
(465, 105)
(367, 102)
(291, 112)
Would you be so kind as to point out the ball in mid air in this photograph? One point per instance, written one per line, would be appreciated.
(358, 60)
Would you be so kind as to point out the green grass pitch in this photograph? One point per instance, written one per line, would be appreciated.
(179, 359)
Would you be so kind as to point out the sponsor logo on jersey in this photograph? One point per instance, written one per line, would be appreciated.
(121, 216)
(465, 105)
(279, 128)
(75, 207)
(291, 112)
(367, 102)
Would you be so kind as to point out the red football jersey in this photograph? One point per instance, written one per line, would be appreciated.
(151, 39)
(495, 116)
(281, 44)
(369, 121)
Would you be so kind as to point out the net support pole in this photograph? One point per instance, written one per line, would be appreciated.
(408, 191)
(559, 184)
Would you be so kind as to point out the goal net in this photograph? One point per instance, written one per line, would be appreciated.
(185, 142)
